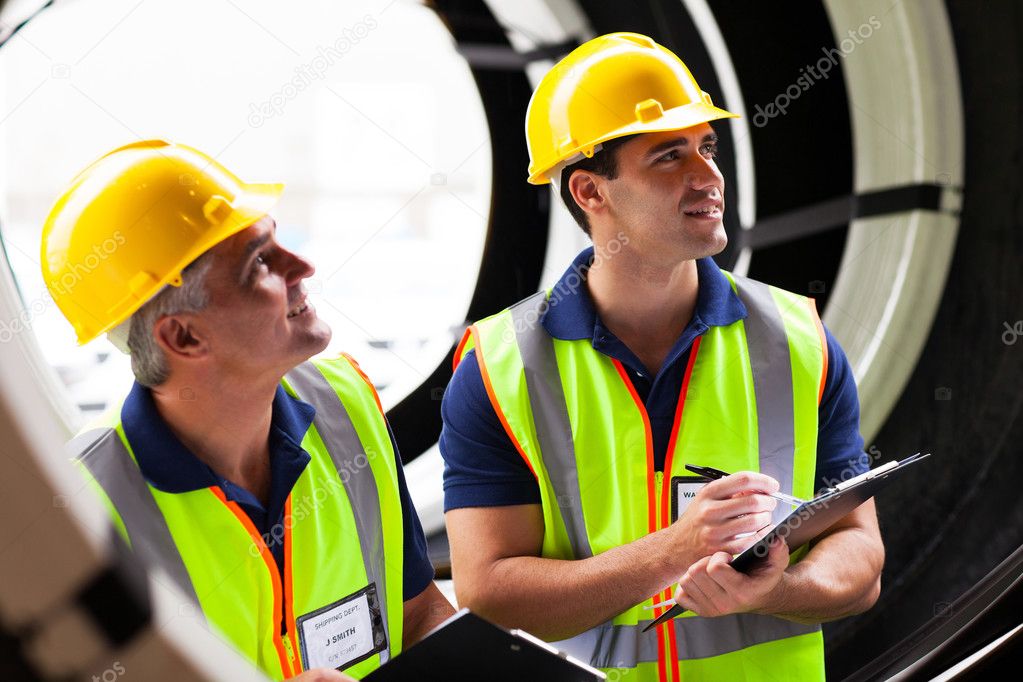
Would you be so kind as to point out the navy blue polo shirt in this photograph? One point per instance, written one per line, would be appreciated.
(482, 468)
(172, 468)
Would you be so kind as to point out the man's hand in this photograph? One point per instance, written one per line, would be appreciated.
(711, 587)
(721, 510)
(322, 675)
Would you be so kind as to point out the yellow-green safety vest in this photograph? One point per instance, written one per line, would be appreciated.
(749, 401)
(342, 529)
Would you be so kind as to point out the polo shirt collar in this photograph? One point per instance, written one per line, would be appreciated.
(171, 467)
(572, 315)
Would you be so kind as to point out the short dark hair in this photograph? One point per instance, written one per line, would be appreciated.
(604, 163)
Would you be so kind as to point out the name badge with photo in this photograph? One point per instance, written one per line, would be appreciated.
(344, 633)
(683, 490)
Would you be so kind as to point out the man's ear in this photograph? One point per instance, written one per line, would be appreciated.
(587, 191)
(178, 337)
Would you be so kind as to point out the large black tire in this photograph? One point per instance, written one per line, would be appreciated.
(963, 514)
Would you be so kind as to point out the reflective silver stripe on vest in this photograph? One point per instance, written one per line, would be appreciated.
(105, 457)
(772, 384)
(550, 416)
(338, 433)
(607, 645)
(625, 646)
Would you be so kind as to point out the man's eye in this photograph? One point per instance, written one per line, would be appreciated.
(670, 156)
(710, 150)
(261, 259)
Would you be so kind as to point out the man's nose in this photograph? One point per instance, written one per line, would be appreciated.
(299, 268)
(703, 173)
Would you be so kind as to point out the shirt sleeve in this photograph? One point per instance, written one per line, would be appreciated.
(840, 454)
(482, 467)
(418, 571)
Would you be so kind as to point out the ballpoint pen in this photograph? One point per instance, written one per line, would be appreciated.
(712, 473)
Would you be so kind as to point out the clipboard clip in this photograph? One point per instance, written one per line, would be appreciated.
(872, 473)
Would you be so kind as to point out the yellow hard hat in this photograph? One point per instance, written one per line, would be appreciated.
(612, 86)
(132, 221)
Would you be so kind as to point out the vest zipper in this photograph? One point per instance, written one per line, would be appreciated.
(281, 643)
(286, 638)
(288, 601)
(671, 645)
(654, 480)
(666, 629)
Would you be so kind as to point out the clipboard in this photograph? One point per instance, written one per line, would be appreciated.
(467, 647)
(815, 516)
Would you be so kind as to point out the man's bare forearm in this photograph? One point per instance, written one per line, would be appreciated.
(839, 577)
(557, 599)
(423, 613)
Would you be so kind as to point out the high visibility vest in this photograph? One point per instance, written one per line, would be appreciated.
(749, 401)
(342, 530)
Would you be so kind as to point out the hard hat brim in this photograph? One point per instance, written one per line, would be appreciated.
(246, 208)
(679, 118)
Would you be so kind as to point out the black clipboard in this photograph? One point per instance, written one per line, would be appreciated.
(467, 647)
(813, 517)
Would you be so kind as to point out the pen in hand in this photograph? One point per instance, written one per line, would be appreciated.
(714, 474)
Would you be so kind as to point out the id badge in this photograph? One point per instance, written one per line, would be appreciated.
(344, 633)
(683, 490)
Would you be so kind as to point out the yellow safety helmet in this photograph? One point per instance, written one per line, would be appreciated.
(612, 86)
(132, 221)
